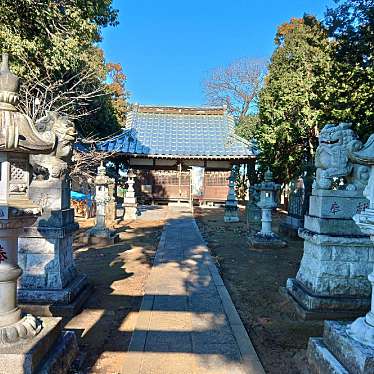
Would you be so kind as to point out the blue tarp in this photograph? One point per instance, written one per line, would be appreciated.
(80, 196)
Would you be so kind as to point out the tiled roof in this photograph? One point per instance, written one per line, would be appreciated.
(179, 132)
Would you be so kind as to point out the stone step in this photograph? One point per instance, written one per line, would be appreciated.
(61, 356)
(321, 360)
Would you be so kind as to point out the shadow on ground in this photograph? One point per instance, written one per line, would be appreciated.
(183, 321)
(253, 278)
(118, 273)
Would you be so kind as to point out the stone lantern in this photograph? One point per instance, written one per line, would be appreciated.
(231, 205)
(350, 347)
(24, 339)
(100, 233)
(266, 237)
(130, 204)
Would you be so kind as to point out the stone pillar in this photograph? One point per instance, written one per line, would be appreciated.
(332, 278)
(27, 344)
(130, 203)
(101, 234)
(111, 208)
(231, 205)
(350, 347)
(253, 212)
(266, 220)
(266, 238)
(50, 284)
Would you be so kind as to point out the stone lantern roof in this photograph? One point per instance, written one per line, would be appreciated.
(17, 131)
(268, 175)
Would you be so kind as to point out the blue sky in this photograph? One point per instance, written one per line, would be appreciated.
(166, 47)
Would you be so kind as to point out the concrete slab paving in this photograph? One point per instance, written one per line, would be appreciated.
(187, 323)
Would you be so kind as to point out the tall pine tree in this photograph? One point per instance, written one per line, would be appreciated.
(287, 131)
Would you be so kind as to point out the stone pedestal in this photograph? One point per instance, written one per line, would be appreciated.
(50, 284)
(332, 278)
(52, 351)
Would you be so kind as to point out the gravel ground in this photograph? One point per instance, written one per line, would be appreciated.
(253, 278)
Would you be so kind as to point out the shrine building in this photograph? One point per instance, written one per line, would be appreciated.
(180, 153)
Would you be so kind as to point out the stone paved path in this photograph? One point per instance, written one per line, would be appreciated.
(187, 322)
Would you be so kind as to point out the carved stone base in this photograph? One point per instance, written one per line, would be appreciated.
(66, 302)
(64, 295)
(333, 273)
(310, 306)
(102, 237)
(46, 257)
(268, 241)
(24, 329)
(50, 352)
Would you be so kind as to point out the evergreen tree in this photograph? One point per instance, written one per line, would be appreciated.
(349, 94)
(53, 48)
(289, 117)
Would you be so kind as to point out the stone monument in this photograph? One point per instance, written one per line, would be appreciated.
(111, 207)
(253, 212)
(130, 204)
(332, 279)
(101, 234)
(27, 344)
(266, 238)
(349, 348)
(296, 210)
(231, 205)
(50, 284)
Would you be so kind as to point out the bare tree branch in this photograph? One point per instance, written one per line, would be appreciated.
(70, 95)
(84, 164)
(237, 85)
